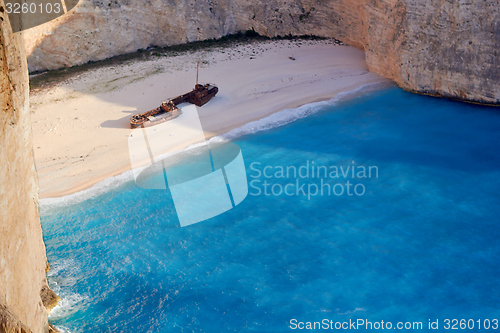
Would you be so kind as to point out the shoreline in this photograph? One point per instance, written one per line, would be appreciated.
(115, 180)
(75, 175)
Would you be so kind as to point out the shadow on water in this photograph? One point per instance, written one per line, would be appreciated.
(393, 253)
(395, 126)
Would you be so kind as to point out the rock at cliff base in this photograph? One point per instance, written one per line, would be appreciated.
(49, 298)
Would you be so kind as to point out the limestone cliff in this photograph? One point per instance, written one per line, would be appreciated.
(438, 47)
(22, 252)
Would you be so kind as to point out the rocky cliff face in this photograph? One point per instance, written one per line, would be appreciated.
(22, 252)
(438, 47)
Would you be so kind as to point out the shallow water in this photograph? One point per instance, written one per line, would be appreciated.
(420, 243)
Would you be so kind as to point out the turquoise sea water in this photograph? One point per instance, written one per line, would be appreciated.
(421, 243)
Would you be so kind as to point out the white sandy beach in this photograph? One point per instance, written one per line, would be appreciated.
(81, 126)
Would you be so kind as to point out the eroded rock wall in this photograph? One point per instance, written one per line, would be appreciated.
(22, 251)
(438, 47)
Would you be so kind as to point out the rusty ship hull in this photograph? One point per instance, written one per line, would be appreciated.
(159, 115)
(199, 96)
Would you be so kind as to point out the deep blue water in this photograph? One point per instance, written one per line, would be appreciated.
(421, 243)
